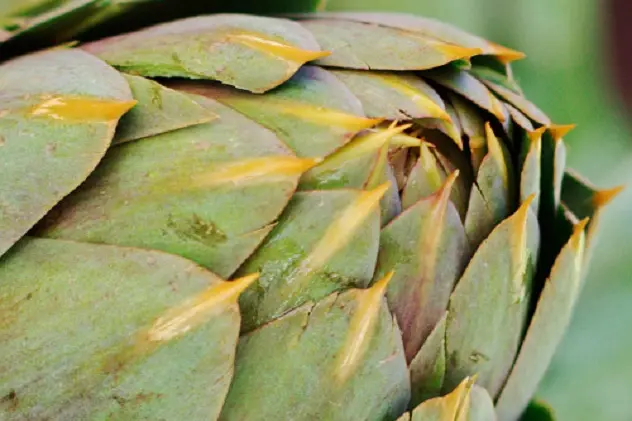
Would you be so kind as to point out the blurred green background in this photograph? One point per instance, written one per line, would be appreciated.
(566, 73)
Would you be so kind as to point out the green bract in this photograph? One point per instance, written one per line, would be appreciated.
(314, 217)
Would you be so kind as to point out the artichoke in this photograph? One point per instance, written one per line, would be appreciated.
(326, 216)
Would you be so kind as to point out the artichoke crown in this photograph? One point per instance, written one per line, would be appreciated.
(319, 216)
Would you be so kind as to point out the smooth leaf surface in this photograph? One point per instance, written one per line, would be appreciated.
(427, 249)
(250, 52)
(531, 172)
(360, 164)
(491, 198)
(430, 28)
(313, 112)
(54, 131)
(520, 102)
(318, 351)
(548, 324)
(427, 369)
(357, 45)
(472, 126)
(85, 342)
(158, 110)
(469, 87)
(393, 96)
(189, 192)
(425, 178)
(325, 241)
(489, 305)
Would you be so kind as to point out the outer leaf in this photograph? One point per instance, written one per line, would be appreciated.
(427, 249)
(468, 86)
(158, 110)
(530, 175)
(553, 167)
(189, 192)
(452, 158)
(84, 342)
(326, 241)
(489, 305)
(54, 131)
(425, 178)
(394, 96)
(519, 118)
(450, 127)
(472, 126)
(57, 21)
(520, 102)
(361, 163)
(430, 28)
(343, 353)
(314, 113)
(548, 324)
(427, 369)
(586, 201)
(215, 47)
(583, 198)
(357, 45)
(492, 196)
(485, 73)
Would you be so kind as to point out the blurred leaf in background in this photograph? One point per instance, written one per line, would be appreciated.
(567, 73)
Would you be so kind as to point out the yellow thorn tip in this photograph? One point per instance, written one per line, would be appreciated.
(275, 48)
(379, 287)
(406, 141)
(443, 195)
(522, 213)
(256, 169)
(603, 197)
(505, 54)
(194, 312)
(577, 240)
(536, 135)
(496, 151)
(372, 197)
(81, 109)
(361, 327)
(456, 51)
(558, 131)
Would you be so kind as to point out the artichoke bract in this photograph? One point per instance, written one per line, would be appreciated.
(329, 216)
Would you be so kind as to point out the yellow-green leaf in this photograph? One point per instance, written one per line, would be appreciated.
(325, 241)
(548, 324)
(158, 110)
(313, 113)
(491, 197)
(189, 192)
(54, 131)
(488, 308)
(215, 47)
(341, 358)
(427, 249)
(357, 45)
(113, 333)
